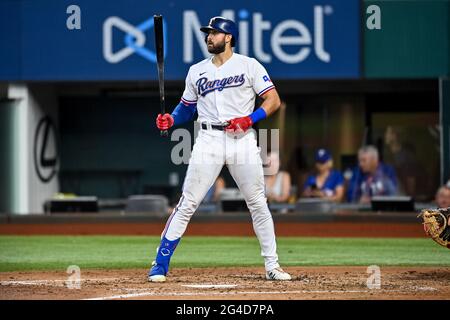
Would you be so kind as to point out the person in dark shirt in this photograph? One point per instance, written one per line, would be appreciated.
(403, 161)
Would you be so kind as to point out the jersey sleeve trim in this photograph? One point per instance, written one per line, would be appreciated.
(262, 92)
(188, 102)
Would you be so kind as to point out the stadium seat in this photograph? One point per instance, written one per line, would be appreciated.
(151, 204)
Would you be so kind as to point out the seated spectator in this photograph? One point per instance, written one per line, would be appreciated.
(278, 184)
(213, 194)
(371, 178)
(403, 159)
(326, 183)
(443, 196)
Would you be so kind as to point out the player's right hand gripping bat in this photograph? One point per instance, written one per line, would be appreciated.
(159, 44)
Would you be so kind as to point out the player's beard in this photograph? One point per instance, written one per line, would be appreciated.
(216, 48)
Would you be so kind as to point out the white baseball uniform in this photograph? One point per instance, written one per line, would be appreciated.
(221, 94)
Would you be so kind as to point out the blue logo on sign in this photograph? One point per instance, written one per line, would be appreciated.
(141, 50)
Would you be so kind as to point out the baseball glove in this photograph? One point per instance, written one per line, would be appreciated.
(436, 223)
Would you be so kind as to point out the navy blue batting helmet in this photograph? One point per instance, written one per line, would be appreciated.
(223, 25)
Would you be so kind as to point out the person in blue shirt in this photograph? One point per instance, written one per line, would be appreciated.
(371, 177)
(327, 183)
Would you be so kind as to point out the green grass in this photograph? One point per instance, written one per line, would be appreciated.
(58, 252)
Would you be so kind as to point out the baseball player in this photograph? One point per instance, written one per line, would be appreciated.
(222, 90)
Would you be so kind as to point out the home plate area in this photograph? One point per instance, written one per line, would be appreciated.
(243, 283)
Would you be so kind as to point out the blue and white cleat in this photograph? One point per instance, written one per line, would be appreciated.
(157, 273)
(160, 266)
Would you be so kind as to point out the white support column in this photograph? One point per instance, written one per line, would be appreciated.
(32, 103)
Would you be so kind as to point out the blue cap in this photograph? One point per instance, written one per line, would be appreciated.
(322, 156)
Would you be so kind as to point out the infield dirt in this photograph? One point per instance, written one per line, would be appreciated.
(342, 283)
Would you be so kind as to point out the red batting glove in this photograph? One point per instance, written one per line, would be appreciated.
(239, 124)
(164, 122)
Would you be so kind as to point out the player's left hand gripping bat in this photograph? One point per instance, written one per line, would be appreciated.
(159, 44)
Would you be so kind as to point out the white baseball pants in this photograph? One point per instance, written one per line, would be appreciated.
(213, 149)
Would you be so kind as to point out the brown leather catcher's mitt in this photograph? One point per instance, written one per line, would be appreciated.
(436, 225)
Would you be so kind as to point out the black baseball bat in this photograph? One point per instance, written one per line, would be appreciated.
(159, 44)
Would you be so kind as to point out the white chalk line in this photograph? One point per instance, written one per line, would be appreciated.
(62, 283)
(159, 294)
(54, 282)
(122, 296)
(210, 286)
(424, 288)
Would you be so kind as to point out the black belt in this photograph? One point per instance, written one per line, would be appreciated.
(213, 126)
